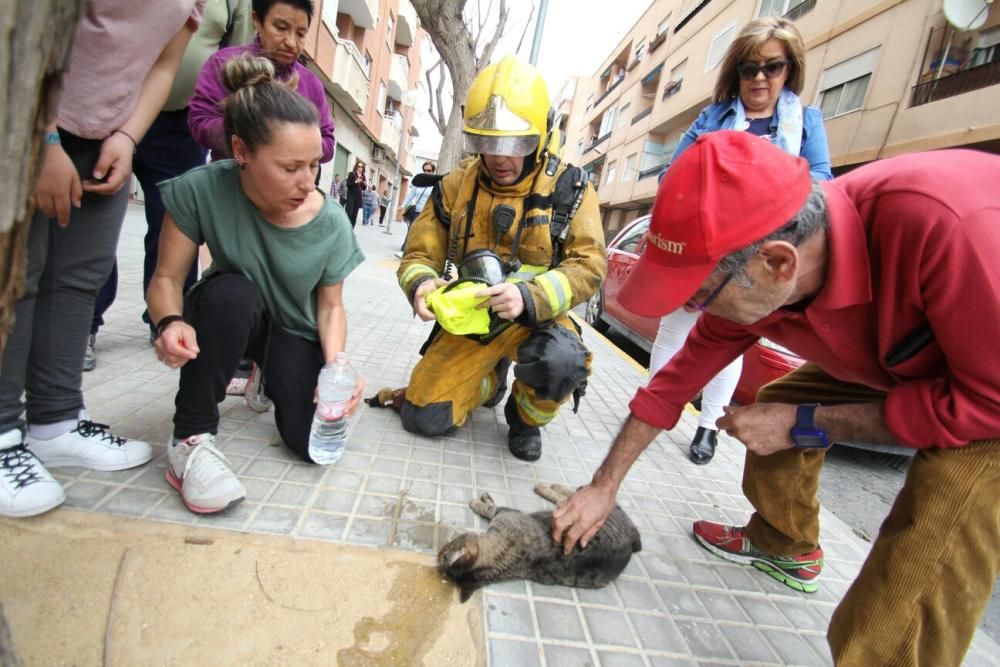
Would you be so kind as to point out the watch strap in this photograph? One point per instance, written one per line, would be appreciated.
(805, 416)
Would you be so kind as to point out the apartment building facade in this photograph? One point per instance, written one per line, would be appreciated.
(891, 77)
(368, 54)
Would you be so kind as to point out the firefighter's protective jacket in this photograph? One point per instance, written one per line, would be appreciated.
(550, 288)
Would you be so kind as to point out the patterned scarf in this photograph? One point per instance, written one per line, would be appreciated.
(789, 112)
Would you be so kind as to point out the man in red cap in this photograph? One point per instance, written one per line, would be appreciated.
(886, 280)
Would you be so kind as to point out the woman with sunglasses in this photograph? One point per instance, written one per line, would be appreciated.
(758, 89)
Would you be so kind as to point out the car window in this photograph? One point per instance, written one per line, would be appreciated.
(630, 242)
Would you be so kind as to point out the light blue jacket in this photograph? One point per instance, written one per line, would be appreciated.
(720, 116)
(417, 197)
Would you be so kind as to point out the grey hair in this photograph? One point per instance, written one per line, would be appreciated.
(810, 219)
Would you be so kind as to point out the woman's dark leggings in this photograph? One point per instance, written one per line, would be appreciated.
(231, 322)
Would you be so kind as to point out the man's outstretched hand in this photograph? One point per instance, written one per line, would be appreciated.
(579, 518)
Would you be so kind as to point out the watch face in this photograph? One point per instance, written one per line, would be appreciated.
(811, 440)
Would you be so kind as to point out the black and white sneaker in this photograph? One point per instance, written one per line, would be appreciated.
(26, 487)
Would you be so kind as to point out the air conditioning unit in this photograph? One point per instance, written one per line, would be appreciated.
(378, 153)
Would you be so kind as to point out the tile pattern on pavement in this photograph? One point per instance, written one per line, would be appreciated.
(674, 605)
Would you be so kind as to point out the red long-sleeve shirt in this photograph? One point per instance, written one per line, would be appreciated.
(913, 240)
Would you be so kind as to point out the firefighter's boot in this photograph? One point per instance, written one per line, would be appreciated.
(524, 442)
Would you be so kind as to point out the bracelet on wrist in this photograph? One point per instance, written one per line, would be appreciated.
(135, 144)
(52, 138)
(166, 322)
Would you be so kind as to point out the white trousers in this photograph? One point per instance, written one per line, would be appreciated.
(674, 330)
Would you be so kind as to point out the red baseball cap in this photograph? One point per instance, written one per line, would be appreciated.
(727, 190)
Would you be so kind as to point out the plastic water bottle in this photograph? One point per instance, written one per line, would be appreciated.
(327, 438)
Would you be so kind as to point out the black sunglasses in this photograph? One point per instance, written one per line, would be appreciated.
(773, 69)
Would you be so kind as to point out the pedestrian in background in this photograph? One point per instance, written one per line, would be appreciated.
(415, 201)
(113, 87)
(370, 203)
(356, 186)
(168, 149)
(335, 187)
(757, 91)
(383, 204)
(342, 192)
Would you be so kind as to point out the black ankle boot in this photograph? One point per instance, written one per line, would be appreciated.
(502, 366)
(703, 445)
(524, 442)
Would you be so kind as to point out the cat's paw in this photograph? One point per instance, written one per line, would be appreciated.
(555, 493)
(483, 506)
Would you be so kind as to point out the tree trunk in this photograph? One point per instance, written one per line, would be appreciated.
(444, 22)
(37, 40)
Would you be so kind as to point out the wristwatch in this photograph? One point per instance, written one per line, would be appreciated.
(805, 433)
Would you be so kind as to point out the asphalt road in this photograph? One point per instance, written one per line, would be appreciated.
(858, 486)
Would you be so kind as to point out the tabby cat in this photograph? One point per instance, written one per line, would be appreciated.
(520, 546)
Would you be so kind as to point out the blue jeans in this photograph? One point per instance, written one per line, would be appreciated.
(166, 151)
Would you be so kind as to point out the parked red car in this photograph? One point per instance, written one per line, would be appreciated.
(764, 362)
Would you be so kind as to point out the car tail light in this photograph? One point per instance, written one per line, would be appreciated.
(771, 345)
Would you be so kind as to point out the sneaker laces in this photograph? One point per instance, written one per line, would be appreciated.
(218, 462)
(18, 464)
(89, 429)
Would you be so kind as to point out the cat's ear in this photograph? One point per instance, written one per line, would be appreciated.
(463, 559)
(466, 589)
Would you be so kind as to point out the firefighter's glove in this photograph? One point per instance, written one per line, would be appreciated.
(454, 307)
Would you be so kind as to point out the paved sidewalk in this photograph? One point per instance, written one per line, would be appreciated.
(675, 605)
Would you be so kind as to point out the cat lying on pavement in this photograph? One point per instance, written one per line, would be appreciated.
(517, 545)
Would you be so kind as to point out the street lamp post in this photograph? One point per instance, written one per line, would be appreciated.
(407, 100)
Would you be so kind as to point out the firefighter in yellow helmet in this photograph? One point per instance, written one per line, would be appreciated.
(522, 232)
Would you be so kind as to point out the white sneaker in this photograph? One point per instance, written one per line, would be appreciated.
(26, 487)
(90, 445)
(201, 474)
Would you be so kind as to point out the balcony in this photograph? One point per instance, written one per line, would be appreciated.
(642, 114)
(349, 80)
(597, 142)
(800, 10)
(399, 76)
(652, 171)
(672, 88)
(607, 92)
(406, 23)
(659, 39)
(392, 124)
(955, 84)
(690, 15)
(362, 12)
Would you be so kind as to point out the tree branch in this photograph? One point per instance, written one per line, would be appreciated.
(487, 54)
(437, 115)
(524, 32)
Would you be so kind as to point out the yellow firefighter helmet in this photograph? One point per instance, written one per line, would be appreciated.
(507, 110)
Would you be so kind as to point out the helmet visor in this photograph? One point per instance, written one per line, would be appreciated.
(502, 145)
